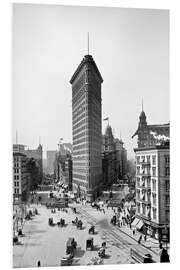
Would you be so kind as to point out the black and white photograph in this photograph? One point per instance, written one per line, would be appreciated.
(90, 135)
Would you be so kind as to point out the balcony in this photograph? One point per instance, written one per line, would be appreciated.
(145, 174)
(145, 163)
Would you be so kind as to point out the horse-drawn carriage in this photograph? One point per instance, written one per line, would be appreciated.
(71, 246)
(66, 260)
(92, 230)
(101, 252)
(79, 224)
(50, 222)
(90, 243)
(61, 223)
(113, 220)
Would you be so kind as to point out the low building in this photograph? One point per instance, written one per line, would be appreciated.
(21, 178)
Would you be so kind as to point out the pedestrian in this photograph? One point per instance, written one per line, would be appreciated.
(140, 238)
(145, 238)
(130, 225)
(133, 232)
(39, 264)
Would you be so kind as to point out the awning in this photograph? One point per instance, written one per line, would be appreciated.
(135, 221)
(139, 224)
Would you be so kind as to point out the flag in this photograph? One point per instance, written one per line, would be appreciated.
(106, 119)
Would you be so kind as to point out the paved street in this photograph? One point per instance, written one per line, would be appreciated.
(48, 244)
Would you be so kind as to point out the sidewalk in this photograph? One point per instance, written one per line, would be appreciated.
(150, 243)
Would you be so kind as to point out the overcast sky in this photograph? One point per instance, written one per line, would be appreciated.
(130, 48)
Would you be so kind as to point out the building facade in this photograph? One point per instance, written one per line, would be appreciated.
(21, 178)
(109, 158)
(153, 180)
(114, 158)
(51, 155)
(153, 188)
(37, 154)
(86, 124)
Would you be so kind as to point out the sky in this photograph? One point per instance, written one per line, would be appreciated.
(130, 48)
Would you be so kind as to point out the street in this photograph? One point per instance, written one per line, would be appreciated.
(48, 243)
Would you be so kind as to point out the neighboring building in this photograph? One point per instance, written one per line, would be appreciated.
(51, 155)
(149, 135)
(21, 179)
(114, 158)
(153, 179)
(63, 164)
(121, 156)
(153, 188)
(109, 159)
(37, 154)
(68, 172)
(86, 123)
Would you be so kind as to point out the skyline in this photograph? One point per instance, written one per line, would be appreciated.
(136, 58)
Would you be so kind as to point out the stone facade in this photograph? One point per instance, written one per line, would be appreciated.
(87, 140)
(149, 135)
(21, 178)
(153, 177)
(153, 188)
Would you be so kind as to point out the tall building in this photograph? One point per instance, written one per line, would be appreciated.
(51, 155)
(121, 156)
(86, 123)
(109, 160)
(153, 179)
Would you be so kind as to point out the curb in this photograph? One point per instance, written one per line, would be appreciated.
(137, 241)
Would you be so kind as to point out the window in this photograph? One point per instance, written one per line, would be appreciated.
(154, 171)
(148, 158)
(167, 200)
(138, 181)
(167, 216)
(167, 171)
(138, 207)
(167, 160)
(138, 170)
(154, 184)
(153, 160)
(138, 194)
(14, 177)
(143, 158)
(17, 184)
(154, 199)
(143, 209)
(167, 186)
(138, 159)
(154, 213)
(17, 177)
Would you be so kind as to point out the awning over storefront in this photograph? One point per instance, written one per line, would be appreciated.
(135, 221)
(139, 224)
